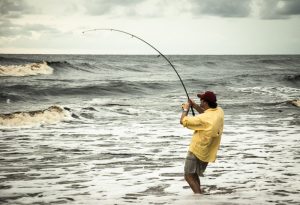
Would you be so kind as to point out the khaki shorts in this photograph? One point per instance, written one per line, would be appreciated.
(194, 165)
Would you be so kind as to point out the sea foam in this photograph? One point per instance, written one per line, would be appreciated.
(51, 115)
(26, 69)
(295, 102)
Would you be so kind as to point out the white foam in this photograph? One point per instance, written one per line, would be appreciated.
(51, 115)
(26, 69)
(295, 103)
(285, 93)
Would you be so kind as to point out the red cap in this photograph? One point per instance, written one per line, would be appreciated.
(208, 96)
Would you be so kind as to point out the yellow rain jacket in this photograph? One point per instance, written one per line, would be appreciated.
(208, 128)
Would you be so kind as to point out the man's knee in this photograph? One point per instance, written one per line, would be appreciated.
(188, 177)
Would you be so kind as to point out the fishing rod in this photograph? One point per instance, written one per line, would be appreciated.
(134, 36)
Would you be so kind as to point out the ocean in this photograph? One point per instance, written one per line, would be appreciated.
(104, 129)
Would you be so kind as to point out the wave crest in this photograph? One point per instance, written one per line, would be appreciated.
(295, 102)
(51, 115)
(26, 69)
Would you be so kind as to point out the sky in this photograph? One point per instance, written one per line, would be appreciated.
(197, 27)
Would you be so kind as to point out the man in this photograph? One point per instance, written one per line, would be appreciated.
(208, 128)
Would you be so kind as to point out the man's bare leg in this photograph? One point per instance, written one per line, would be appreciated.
(194, 182)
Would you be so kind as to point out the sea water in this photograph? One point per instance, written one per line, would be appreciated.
(114, 136)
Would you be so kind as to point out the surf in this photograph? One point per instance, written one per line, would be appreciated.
(51, 115)
(296, 103)
(26, 69)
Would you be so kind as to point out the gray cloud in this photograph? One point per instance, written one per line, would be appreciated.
(291, 7)
(222, 8)
(102, 7)
(14, 8)
(279, 9)
(267, 9)
(9, 29)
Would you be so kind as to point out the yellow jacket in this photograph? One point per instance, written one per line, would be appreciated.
(208, 128)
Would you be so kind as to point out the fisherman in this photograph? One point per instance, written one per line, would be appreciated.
(208, 128)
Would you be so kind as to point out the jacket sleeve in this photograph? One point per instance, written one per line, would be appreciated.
(193, 123)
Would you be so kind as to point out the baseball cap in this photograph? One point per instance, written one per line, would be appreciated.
(208, 96)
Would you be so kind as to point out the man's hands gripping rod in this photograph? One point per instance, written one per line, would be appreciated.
(186, 108)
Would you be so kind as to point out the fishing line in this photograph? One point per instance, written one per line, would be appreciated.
(134, 36)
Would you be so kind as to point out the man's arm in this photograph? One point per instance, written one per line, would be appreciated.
(196, 106)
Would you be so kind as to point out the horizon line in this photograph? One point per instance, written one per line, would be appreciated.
(122, 54)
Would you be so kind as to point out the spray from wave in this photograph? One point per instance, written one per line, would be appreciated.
(26, 69)
(51, 115)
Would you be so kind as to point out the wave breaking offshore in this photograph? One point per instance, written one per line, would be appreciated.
(51, 115)
(26, 69)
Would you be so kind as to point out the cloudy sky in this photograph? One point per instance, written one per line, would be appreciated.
(173, 26)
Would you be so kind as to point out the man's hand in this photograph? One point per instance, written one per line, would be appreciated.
(186, 106)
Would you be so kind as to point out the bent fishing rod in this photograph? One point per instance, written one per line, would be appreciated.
(134, 36)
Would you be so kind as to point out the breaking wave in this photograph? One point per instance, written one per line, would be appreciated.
(295, 102)
(51, 115)
(26, 69)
